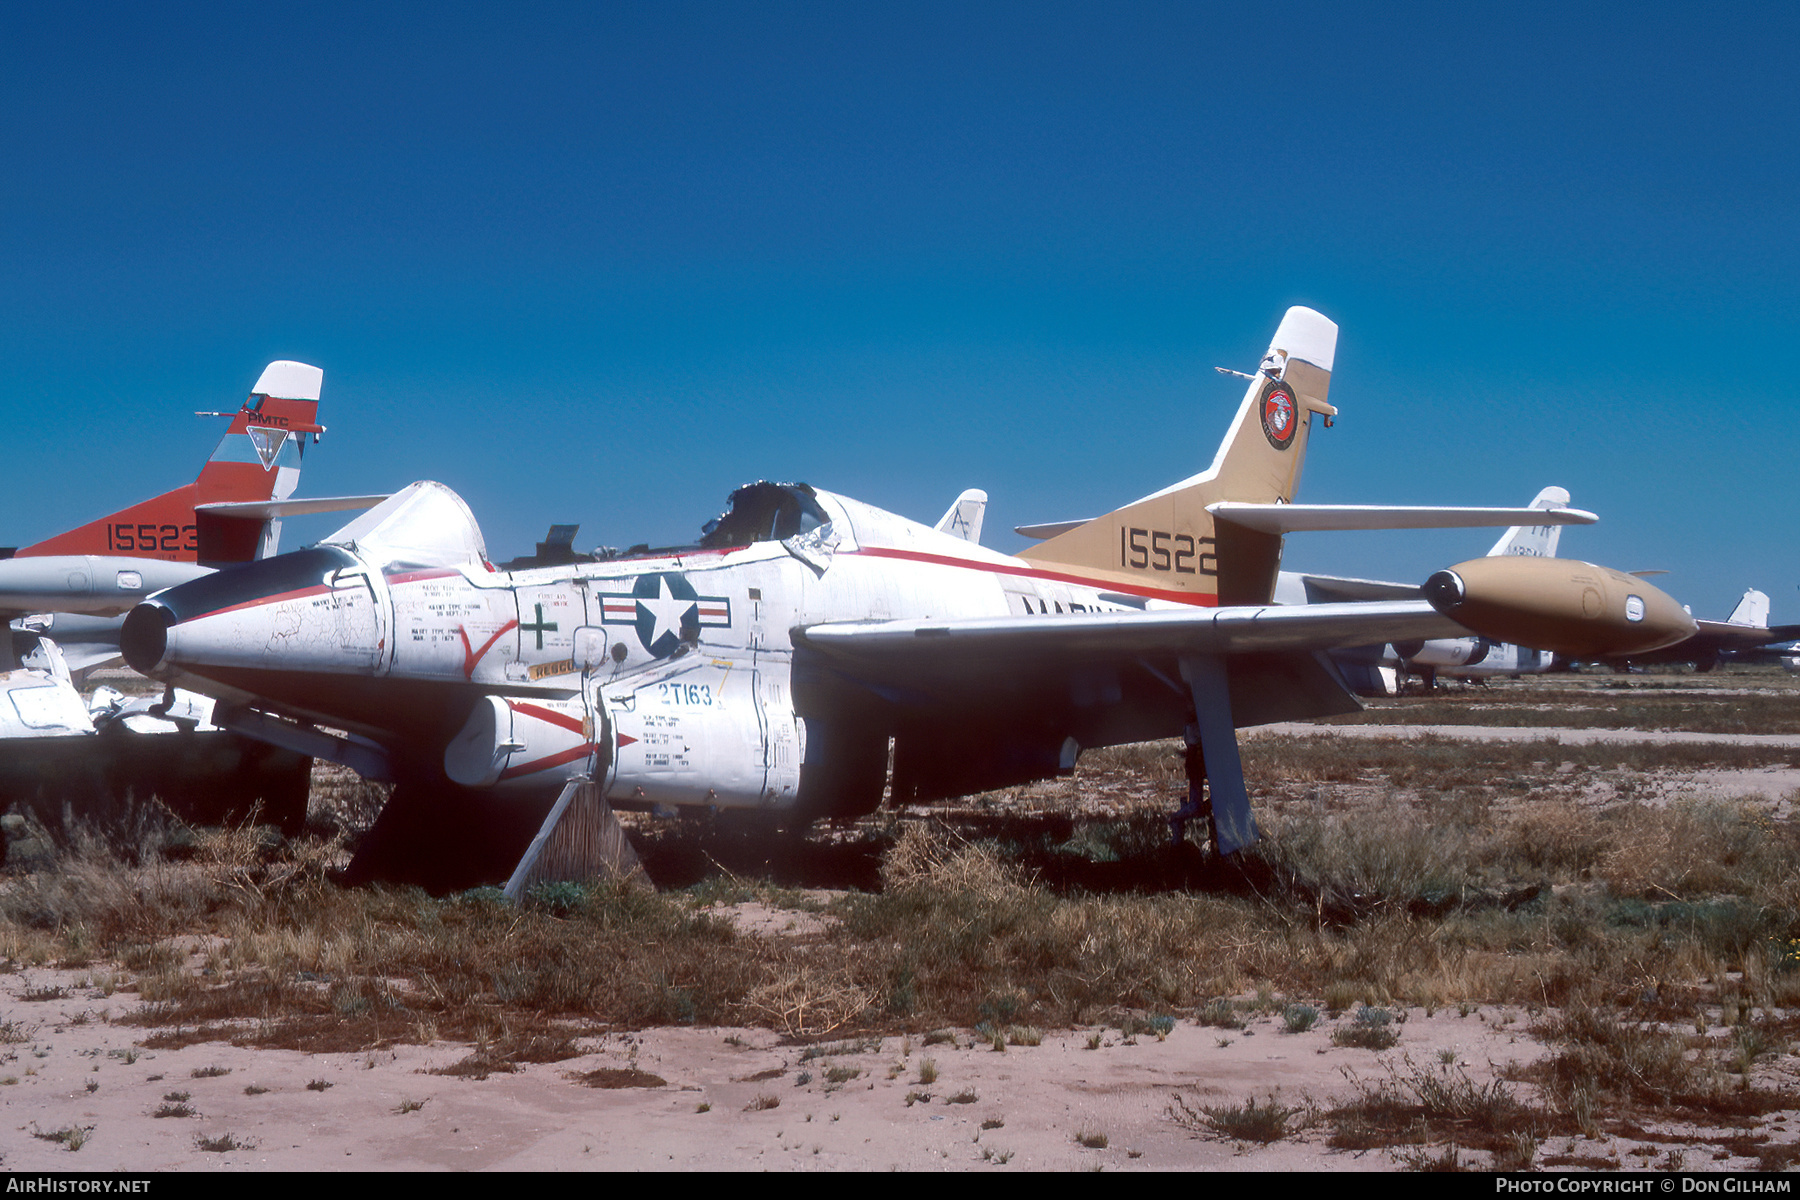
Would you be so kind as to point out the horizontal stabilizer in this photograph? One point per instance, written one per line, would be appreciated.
(1304, 518)
(1045, 532)
(267, 510)
(86, 641)
(89, 656)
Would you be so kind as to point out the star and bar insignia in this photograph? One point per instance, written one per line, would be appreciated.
(660, 605)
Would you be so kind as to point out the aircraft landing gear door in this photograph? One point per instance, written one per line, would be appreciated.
(702, 732)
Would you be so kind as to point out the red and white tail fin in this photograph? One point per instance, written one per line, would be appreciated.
(258, 459)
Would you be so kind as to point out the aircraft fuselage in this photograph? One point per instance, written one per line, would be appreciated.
(669, 675)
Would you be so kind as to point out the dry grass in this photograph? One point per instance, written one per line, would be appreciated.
(810, 1001)
(1246, 1122)
(1414, 1104)
(1368, 907)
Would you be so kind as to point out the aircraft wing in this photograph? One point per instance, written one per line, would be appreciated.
(1108, 677)
(1128, 635)
(269, 509)
(1728, 636)
(1301, 518)
(1712, 639)
(1044, 688)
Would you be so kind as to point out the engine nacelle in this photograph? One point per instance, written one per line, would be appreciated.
(1572, 608)
(516, 744)
(1443, 652)
(704, 731)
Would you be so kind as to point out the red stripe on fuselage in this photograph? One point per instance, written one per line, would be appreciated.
(544, 764)
(548, 716)
(1103, 585)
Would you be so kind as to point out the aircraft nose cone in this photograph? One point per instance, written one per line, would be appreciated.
(144, 638)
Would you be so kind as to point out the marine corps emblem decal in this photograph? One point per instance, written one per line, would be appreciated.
(1280, 414)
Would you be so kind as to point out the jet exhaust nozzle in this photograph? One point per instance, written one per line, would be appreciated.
(1445, 591)
(144, 638)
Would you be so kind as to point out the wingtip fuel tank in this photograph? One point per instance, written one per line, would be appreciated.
(1562, 605)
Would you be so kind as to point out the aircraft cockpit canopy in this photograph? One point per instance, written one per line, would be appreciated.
(764, 512)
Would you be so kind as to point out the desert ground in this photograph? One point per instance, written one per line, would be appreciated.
(1541, 925)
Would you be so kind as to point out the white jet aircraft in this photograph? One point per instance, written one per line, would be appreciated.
(777, 665)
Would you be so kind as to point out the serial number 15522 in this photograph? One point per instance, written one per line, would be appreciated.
(1159, 550)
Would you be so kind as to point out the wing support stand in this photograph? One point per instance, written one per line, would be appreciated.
(1215, 773)
(581, 840)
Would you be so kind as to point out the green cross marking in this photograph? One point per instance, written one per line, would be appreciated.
(541, 628)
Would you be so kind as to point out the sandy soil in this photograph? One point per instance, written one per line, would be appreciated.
(695, 1105)
(1525, 733)
(1777, 786)
(729, 1099)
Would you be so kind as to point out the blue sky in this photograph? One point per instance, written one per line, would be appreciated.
(603, 263)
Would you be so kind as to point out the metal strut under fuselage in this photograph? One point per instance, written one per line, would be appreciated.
(1215, 772)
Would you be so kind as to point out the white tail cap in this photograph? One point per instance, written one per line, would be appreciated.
(289, 381)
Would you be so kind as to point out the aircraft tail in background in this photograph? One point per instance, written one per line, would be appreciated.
(258, 460)
(964, 517)
(1752, 610)
(1534, 541)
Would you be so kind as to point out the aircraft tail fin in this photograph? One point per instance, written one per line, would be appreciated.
(258, 459)
(964, 517)
(1534, 541)
(1167, 543)
(1753, 609)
